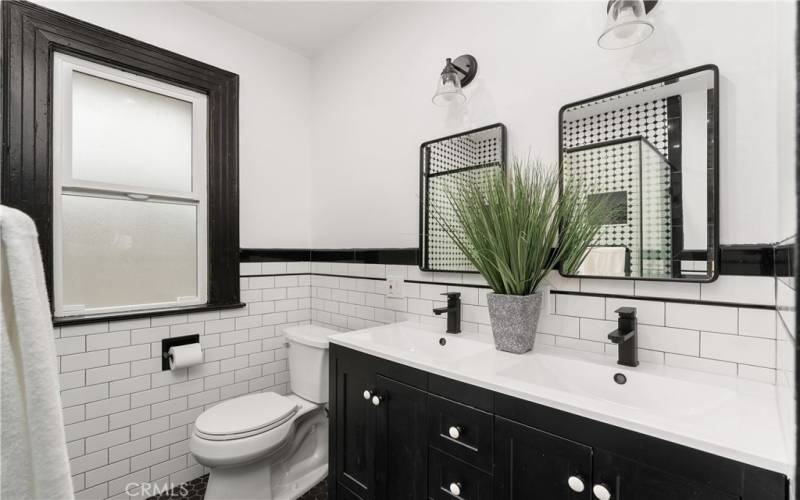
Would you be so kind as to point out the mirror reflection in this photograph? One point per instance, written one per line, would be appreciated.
(649, 152)
(447, 165)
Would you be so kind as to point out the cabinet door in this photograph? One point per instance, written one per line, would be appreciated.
(401, 447)
(354, 426)
(531, 464)
(630, 480)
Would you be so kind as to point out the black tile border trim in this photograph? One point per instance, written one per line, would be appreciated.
(552, 292)
(275, 275)
(785, 260)
(373, 278)
(274, 255)
(388, 256)
(666, 299)
(747, 260)
(738, 260)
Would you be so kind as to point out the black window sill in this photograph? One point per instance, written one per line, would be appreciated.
(99, 318)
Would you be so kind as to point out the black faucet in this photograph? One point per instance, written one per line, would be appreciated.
(625, 337)
(453, 311)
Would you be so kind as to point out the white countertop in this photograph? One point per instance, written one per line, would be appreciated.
(725, 416)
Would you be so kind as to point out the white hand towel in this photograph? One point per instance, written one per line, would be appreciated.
(603, 261)
(33, 446)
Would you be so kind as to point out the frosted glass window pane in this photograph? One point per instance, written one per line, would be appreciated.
(125, 135)
(120, 252)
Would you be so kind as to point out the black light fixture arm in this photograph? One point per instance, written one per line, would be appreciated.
(465, 64)
(648, 5)
(459, 69)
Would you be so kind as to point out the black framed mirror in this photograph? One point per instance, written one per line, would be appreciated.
(652, 150)
(445, 164)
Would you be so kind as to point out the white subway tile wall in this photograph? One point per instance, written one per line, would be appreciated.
(786, 335)
(127, 422)
(786, 340)
(714, 338)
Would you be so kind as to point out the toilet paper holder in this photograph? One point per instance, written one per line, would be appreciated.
(173, 342)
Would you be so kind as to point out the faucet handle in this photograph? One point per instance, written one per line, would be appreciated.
(626, 312)
(452, 295)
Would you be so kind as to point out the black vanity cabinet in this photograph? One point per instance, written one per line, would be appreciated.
(401, 433)
(378, 429)
(627, 479)
(533, 464)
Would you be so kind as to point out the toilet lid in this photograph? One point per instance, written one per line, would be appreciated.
(248, 414)
(310, 335)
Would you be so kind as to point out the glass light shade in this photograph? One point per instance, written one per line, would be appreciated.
(448, 90)
(627, 25)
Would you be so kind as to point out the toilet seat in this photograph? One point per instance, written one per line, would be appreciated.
(240, 448)
(245, 416)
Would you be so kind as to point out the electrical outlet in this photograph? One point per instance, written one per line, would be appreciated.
(394, 287)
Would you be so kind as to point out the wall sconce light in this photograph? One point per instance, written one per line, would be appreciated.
(455, 76)
(627, 24)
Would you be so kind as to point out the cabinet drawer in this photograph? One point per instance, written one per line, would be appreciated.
(444, 471)
(461, 431)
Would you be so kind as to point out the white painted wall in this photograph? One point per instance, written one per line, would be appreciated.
(694, 168)
(787, 202)
(372, 108)
(274, 107)
(329, 146)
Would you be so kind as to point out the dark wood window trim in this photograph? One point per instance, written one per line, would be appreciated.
(31, 34)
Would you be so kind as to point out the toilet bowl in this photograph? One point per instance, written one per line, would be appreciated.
(266, 446)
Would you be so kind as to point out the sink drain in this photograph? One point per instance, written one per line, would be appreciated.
(620, 378)
(442, 341)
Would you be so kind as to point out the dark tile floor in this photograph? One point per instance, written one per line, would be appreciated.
(318, 492)
(196, 489)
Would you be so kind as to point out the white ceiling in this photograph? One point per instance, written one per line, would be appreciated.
(305, 26)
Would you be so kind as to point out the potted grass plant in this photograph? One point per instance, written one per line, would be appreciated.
(515, 228)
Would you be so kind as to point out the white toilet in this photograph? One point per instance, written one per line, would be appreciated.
(267, 446)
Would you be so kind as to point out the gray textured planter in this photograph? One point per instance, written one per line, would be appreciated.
(514, 319)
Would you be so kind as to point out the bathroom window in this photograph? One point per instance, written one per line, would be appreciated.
(130, 198)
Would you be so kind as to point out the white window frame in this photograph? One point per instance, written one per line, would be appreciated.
(63, 183)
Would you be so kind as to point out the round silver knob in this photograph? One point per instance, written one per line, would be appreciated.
(376, 400)
(576, 484)
(454, 431)
(455, 489)
(601, 492)
(367, 395)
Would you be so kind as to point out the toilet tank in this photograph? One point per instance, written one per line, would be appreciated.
(308, 361)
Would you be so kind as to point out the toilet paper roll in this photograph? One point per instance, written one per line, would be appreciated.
(185, 355)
